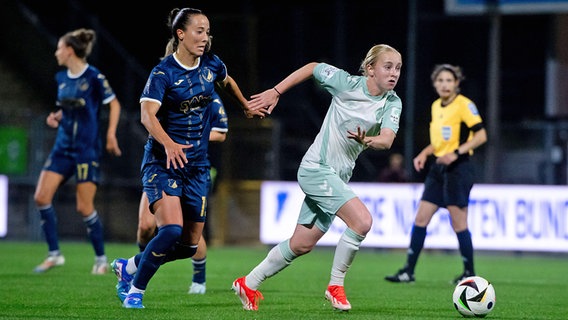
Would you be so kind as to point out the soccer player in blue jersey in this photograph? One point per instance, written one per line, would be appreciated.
(456, 129)
(81, 91)
(147, 222)
(175, 109)
(364, 113)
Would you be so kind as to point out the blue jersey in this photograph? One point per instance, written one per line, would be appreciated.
(191, 183)
(80, 98)
(185, 95)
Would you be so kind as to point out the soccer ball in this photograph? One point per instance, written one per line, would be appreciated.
(474, 297)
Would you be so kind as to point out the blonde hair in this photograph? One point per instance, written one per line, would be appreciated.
(373, 55)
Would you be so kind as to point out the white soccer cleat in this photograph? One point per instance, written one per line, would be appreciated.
(197, 288)
(50, 262)
(100, 267)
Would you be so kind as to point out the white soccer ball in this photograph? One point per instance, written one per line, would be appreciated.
(474, 297)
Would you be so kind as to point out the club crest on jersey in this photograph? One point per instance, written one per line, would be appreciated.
(207, 75)
(446, 132)
(172, 184)
(83, 85)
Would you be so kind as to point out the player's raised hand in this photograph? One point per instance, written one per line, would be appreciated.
(249, 113)
(265, 101)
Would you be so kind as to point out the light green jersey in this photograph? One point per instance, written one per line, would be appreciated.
(351, 106)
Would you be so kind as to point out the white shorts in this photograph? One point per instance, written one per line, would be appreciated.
(325, 194)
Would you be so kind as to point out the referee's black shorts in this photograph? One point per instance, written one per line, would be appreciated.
(449, 185)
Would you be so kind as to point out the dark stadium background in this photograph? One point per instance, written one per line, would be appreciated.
(263, 41)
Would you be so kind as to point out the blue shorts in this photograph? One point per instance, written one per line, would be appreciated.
(321, 204)
(67, 165)
(449, 185)
(191, 184)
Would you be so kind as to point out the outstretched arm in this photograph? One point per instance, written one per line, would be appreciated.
(230, 86)
(268, 99)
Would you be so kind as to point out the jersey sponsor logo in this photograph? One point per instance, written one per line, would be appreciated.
(195, 104)
(328, 71)
(473, 109)
(72, 103)
(446, 132)
(395, 117)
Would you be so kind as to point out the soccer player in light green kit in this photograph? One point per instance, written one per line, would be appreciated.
(364, 113)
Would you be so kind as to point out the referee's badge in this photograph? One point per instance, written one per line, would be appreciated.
(446, 132)
(473, 109)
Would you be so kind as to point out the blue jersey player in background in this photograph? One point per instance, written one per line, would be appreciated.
(81, 91)
(175, 109)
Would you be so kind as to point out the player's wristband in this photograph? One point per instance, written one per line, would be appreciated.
(277, 91)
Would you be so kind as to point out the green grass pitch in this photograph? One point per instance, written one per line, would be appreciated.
(528, 286)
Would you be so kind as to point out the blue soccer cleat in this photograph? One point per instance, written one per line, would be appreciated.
(133, 301)
(124, 279)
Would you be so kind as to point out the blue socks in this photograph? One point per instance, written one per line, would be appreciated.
(49, 227)
(150, 260)
(416, 245)
(95, 233)
(466, 250)
(199, 270)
